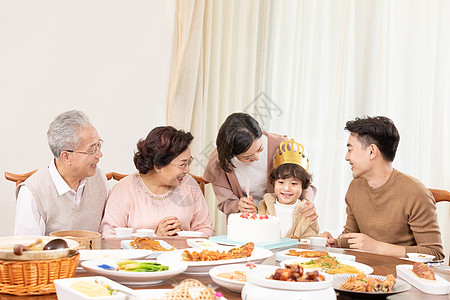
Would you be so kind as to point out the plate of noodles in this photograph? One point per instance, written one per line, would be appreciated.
(369, 285)
(329, 265)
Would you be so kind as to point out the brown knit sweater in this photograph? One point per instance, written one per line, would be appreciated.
(401, 212)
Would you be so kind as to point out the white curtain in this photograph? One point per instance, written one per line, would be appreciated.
(304, 68)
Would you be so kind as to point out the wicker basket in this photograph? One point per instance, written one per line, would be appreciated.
(35, 277)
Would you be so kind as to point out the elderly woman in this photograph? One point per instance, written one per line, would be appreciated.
(235, 166)
(161, 195)
(71, 193)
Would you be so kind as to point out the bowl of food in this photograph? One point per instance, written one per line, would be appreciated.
(420, 257)
(25, 248)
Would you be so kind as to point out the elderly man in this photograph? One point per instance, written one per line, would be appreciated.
(388, 212)
(71, 193)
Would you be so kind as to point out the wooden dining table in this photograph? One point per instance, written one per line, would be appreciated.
(382, 265)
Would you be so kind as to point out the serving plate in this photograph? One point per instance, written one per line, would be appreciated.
(283, 255)
(439, 286)
(362, 267)
(125, 244)
(113, 254)
(97, 267)
(259, 276)
(203, 267)
(7, 243)
(230, 284)
(64, 291)
(399, 287)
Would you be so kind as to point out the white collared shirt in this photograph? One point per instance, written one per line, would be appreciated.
(28, 219)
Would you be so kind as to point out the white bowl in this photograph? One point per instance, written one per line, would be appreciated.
(420, 257)
(64, 291)
(123, 232)
(145, 233)
(190, 233)
(318, 241)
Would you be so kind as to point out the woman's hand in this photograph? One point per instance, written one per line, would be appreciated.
(168, 226)
(247, 205)
(309, 210)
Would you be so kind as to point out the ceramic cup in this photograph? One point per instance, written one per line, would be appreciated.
(145, 233)
(318, 241)
(123, 232)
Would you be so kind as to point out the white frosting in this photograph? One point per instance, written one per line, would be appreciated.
(255, 230)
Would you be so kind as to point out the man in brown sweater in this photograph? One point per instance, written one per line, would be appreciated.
(388, 212)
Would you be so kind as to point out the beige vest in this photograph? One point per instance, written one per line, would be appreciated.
(61, 213)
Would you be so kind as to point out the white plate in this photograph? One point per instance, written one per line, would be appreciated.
(64, 291)
(420, 257)
(362, 267)
(439, 286)
(200, 243)
(133, 278)
(190, 233)
(259, 276)
(7, 243)
(125, 244)
(203, 267)
(399, 287)
(282, 255)
(113, 254)
(230, 284)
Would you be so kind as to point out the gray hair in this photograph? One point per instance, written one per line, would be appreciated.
(62, 133)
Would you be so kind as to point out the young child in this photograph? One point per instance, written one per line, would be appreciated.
(289, 180)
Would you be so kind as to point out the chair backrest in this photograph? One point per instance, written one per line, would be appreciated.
(440, 195)
(201, 182)
(19, 178)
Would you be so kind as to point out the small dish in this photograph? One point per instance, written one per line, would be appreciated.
(123, 232)
(200, 243)
(190, 233)
(64, 290)
(420, 257)
(439, 286)
(318, 241)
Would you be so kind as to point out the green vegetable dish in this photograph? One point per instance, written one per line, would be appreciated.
(135, 266)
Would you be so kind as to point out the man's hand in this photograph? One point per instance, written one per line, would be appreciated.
(331, 242)
(309, 210)
(364, 242)
(361, 241)
(168, 226)
(247, 205)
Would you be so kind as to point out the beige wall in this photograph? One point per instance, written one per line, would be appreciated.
(110, 59)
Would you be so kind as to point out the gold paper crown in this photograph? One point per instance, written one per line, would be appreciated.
(291, 152)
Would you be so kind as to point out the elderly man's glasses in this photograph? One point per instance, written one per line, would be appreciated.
(98, 146)
(185, 164)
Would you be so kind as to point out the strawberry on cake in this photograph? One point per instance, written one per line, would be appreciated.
(251, 227)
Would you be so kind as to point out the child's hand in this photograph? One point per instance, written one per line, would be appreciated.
(309, 210)
(247, 205)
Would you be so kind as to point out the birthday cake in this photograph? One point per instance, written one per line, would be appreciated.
(247, 227)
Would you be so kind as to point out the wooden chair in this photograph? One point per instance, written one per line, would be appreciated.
(440, 195)
(19, 178)
(201, 182)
